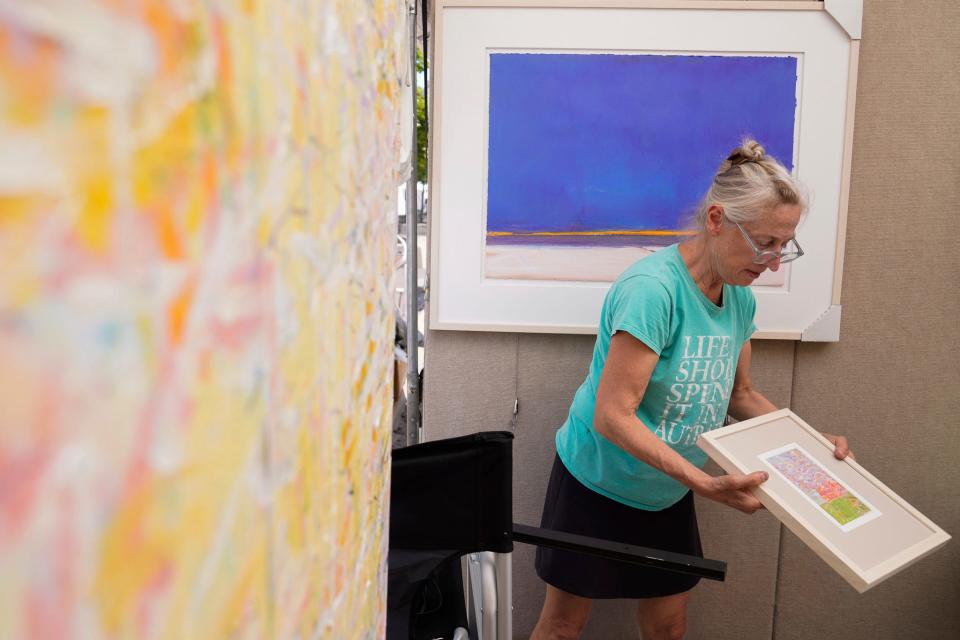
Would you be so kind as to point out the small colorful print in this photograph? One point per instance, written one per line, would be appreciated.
(806, 474)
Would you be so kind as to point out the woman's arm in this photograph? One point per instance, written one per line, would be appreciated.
(746, 402)
(624, 380)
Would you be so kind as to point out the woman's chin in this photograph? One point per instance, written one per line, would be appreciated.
(749, 277)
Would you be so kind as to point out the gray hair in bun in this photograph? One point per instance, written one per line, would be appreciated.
(748, 184)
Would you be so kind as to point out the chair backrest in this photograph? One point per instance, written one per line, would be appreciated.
(454, 494)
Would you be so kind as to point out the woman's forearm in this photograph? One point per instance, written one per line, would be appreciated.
(630, 434)
(633, 436)
(748, 403)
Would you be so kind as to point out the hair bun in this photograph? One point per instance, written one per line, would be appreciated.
(748, 151)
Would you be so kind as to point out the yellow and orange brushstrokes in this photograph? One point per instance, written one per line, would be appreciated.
(196, 326)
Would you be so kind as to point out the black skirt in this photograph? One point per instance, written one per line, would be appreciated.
(572, 507)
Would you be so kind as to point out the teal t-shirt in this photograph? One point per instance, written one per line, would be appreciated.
(657, 302)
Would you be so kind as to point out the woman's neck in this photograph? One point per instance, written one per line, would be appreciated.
(699, 262)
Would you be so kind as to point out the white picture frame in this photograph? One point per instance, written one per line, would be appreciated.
(466, 32)
(848, 517)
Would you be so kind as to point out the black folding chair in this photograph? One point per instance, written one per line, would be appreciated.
(454, 497)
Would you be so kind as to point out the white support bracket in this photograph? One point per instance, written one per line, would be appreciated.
(848, 14)
(826, 328)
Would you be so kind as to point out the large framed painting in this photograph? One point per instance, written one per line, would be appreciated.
(573, 138)
(847, 516)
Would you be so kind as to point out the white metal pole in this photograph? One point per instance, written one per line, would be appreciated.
(413, 377)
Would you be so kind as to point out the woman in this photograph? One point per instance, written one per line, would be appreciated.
(672, 360)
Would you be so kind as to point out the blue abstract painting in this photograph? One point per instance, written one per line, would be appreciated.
(608, 151)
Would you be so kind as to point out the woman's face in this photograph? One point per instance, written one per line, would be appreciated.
(771, 232)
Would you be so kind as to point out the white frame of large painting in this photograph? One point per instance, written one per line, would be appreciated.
(467, 31)
(781, 431)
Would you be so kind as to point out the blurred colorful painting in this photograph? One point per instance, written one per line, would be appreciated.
(832, 498)
(196, 327)
(595, 160)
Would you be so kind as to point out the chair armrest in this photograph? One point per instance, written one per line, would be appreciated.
(653, 558)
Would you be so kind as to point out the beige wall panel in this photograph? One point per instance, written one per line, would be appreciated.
(814, 602)
(771, 369)
(550, 369)
(470, 381)
(892, 383)
(749, 544)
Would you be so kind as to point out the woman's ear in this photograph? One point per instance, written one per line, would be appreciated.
(714, 221)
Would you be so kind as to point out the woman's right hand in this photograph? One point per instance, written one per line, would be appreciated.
(734, 490)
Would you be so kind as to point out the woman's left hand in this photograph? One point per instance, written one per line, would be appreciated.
(840, 447)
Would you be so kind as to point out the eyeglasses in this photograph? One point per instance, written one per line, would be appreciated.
(789, 252)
